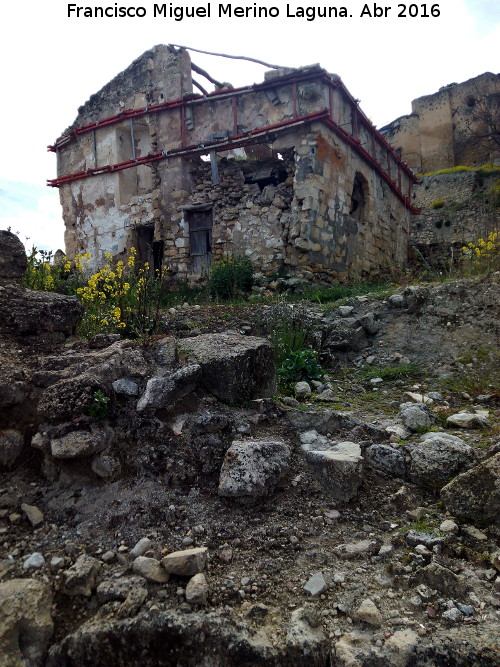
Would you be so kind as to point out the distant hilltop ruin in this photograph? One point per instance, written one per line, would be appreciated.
(458, 125)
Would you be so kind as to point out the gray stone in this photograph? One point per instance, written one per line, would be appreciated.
(468, 420)
(234, 368)
(453, 616)
(302, 390)
(13, 260)
(34, 515)
(345, 311)
(105, 466)
(466, 609)
(316, 584)
(186, 563)
(126, 387)
(34, 562)
(80, 443)
(448, 526)
(31, 313)
(327, 395)
(339, 469)
(80, 578)
(415, 416)
(305, 641)
(163, 392)
(368, 612)
(252, 468)
(475, 494)
(11, 446)
(197, 589)
(438, 458)
(360, 549)
(442, 579)
(370, 323)
(387, 459)
(140, 548)
(413, 397)
(165, 351)
(414, 538)
(396, 301)
(25, 622)
(435, 395)
(56, 563)
(103, 340)
(150, 569)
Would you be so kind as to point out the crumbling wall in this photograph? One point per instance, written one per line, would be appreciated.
(467, 213)
(304, 198)
(444, 129)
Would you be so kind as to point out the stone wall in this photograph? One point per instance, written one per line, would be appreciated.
(468, 213)
(441, 130)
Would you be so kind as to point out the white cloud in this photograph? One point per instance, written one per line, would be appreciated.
(33, 212)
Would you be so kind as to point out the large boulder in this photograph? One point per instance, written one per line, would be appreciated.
(438, 458)
(25, 622)
(475, 494)
(25, 312)
(234, 368)
(415, 416)
(71, 397)
(339, 469)
(253, 468)
(386, 459)
(13, 260)
(163, 392)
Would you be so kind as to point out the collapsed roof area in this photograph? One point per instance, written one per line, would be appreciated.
(289, 172)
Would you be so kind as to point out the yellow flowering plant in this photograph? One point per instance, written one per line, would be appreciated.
(122, 297)
(483, 256)
(43, 273)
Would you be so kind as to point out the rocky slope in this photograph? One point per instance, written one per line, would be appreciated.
(197, 519)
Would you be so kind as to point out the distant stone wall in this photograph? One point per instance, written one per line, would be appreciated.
(442, 130)
(467, 214)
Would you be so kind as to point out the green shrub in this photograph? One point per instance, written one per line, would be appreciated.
(230, 276)
(44, 275)
(489, 169)
(301, 365)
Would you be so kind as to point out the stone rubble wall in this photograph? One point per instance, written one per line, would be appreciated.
(467, 215)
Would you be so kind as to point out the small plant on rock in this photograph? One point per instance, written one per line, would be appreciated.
(99, 408)
(301, 365)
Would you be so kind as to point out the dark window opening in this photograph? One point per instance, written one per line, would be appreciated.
(149, 250)
(470, 101)
(358, 197)
(200, 240)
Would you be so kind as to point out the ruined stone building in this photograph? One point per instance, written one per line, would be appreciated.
(458, 125)
(289, 172)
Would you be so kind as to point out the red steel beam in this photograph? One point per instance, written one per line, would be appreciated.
(173, 104)
(241, 139)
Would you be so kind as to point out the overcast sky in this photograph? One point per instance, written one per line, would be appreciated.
(51, 64)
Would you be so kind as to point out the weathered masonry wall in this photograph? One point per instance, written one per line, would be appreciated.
(468, 213)
(297, 177)
(445, 129)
